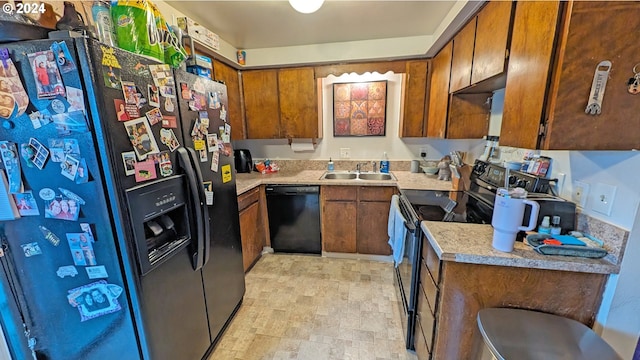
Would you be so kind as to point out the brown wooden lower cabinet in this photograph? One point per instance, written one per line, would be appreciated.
(252, 230)
(354, 219)
(464, 289)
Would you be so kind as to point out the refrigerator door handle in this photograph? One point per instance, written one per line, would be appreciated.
(192, 170)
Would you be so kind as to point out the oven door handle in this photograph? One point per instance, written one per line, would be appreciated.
(410, 227)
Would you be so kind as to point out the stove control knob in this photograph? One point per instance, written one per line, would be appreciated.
(512, 179)
(521, 183)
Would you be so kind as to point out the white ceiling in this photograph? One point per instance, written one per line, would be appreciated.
(274, 23)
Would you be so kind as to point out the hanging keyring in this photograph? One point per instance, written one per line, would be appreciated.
(633, 86)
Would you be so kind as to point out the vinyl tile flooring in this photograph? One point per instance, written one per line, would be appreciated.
(314, 308)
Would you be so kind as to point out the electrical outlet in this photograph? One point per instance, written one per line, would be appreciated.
(423, 152)
(345, 153)
(580, 193)
(603, 196)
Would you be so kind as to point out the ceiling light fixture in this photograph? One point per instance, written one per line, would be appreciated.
(306, 6)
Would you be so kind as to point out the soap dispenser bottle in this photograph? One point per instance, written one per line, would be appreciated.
(545, 226)
(555, 225)
(384, 163)
(330, 165)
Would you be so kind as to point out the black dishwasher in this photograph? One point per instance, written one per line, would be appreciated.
(294, 218)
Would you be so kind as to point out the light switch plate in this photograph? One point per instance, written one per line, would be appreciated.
(345, 153)
(603, 196)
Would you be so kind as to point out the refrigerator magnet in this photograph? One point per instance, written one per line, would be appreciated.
(129, 162)
(204, 120)
(110, 67)
(212, 142)
(203, 153)
(199, 145)
(81, 249)
(63, 57)
(215, 161)
(47, 194)
(121, 110)
(69, 167)
(82, 175)
(86, 228)
(129, 91)
(154, 116)
(40, 119)
(185, 92)
(145, 170)
(153, 95)
(64, 271)
(166, 167)
(223, 115)
(141, 69)
(141, 137)
(41, 153)
(169, 122)
(168, 137)
(61, 147)
(226, 173)
(71, 195)
(75, 98)
(97, 272)
(208, 192)
(31, 249)
(45, 72)
(70, 123)
(12, 89)
(28, 154)
(26, 204)
(95, 299)
(214, 100)
(49, 235)
(62, 209)
(9, 154)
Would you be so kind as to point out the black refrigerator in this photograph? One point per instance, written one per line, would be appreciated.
(115, 243)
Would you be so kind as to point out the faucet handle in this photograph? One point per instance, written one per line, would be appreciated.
(374, 166)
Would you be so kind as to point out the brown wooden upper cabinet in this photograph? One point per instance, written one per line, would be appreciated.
(414, 118)
(280, 103)
(228, 75)
(439, 93)
(298, 103)
(550, 76)
(480, 49)
(260, 93)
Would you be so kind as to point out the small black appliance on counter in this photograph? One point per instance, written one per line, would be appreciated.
(554, 206)
(244, 164)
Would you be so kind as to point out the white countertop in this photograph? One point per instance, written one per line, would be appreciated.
(471, 243)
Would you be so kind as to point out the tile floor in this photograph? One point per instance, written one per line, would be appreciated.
(311, 307)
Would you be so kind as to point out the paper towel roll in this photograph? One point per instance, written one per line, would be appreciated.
(299, 146)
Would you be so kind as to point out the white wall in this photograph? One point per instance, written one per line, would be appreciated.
(364, 147)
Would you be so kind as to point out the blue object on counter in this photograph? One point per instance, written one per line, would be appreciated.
(384, 164)
(568, 240)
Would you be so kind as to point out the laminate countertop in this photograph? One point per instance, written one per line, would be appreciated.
(405, 180)
(471, 243)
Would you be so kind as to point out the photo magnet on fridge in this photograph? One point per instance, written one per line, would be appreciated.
(141, 137)
(61, 208)
(45, 72)
(26, 204)
(71, 123)
(81, 249)
(69, 167)
(75, 98)
(41, 153)
(153, 95)
(121, 110)
(166, 167)
(40, 118)
(154, 116)
(82, 175)
(9, 154)
(96, 299)
(168, 137)
(13, 98)
(129, 161)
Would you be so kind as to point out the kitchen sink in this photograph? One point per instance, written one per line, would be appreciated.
(346, 175)
(375, 176)
(340, 176)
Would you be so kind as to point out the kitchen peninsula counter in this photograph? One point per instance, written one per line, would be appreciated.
(471, 244)
(406, 180)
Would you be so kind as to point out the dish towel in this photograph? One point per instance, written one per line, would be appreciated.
(396, 230)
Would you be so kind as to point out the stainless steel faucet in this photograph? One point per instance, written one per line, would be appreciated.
(374, 166)
(359, 165)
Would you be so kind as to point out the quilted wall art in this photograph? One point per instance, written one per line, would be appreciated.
(359, 109)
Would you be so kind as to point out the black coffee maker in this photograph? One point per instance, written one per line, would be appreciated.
(243, 161)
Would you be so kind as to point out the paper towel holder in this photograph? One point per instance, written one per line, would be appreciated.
(313, 141)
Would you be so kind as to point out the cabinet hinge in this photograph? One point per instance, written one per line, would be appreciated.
(542, 130)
